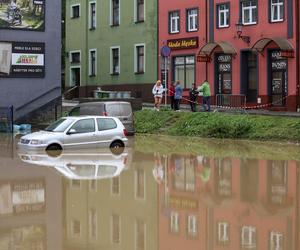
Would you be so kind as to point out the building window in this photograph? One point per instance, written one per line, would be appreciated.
(75, 11)
(184, 70)
(76, 228)
(140, 11)
(140, 235)
(139, 62)
(223, 13)
(115, 13)
(115, 185)
(93, 224)
(92, 62)
(192, 20)
(92, 15)
(140, 184)
(174, 222)
(248, 237)
(75, 57)
(277, 10)
(276, 241)
(249, 12)
(116, 228)
(174, 22)
(192, 226)
(223, 233)
(115, 60)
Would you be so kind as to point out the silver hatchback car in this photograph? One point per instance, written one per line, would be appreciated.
(78, 132)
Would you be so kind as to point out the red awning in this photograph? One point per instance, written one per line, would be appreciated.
(282, 43)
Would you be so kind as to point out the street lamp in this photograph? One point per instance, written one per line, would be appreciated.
(239, 27)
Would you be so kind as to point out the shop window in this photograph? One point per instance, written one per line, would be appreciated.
(248, 237)
(223, 14)
(192, 226)
(92, 62)
(277, 10)
(139, 58)
(115, 60)
(92, 15)
(223, 233)
(276, 241)
(249, 12)
(140, 11)
(174, 22)
(184, 70)
(115, 13)
(75, 11)
(192, 20)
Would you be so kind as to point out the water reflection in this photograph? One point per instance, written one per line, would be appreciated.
(206, 194)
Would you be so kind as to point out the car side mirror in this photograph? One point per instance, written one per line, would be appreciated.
(71, 131)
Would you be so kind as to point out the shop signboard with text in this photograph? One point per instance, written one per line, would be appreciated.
(183, 43)
(22, 15)
(22, 59)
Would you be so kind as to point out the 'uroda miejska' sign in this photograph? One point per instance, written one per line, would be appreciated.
(183, 43)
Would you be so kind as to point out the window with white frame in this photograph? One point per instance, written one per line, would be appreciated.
(223, 233)
(277, 10)
(276, 241)
(192, 20)
(174, 22)
(92, 62)
(223, 15)
(75, 56)
(140, 10)
(115, 60)
(174, 222)
(92, 15)
(249, 12)
(115, 13)
(248, 237)
(75, 11)
(192, 226)
(139, 60)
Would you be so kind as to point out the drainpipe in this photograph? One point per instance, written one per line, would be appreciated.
(206, 35)
(297, 54)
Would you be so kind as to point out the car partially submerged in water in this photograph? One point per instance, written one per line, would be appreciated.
(81, 165)
(78, 132)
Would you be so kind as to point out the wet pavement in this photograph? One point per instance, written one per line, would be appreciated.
(162, 193)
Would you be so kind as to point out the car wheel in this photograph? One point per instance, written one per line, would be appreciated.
(54, 150)
(117, 147)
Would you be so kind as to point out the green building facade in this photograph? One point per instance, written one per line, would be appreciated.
(111, 44)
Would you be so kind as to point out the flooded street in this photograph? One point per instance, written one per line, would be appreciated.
(162, 193)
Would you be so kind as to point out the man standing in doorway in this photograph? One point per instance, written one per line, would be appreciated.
(205, 89)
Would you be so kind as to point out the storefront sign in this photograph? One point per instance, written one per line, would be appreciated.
(21, 15)
(224, 58)
(203, 58)
(224, 67)
(22, 59)
(184, 43)
(279, 65)
(182, 202)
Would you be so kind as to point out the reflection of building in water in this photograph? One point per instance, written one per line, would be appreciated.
(120, 212)
(30, 207)
(244, 204)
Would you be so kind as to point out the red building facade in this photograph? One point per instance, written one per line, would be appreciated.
(246, 48)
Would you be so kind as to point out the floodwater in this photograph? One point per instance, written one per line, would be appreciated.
(162, 193)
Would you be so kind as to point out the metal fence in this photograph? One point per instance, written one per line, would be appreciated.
(226, 101)
(7, 119)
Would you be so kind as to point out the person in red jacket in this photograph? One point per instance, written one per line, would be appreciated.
(171, 93)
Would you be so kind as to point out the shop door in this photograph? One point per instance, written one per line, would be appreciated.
(223, 70)
(251, 94)
(75, 81)
(278, 88)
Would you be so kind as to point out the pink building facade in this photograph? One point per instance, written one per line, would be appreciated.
(247, 49)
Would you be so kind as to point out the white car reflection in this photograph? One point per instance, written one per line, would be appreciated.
(81, 165)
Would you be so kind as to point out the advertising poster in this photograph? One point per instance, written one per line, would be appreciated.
(22, 14)
(22, 59)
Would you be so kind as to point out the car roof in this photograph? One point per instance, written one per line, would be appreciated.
(102, 103)
(88, 116)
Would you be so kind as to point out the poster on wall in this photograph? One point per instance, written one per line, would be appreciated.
(22, 14)
(22, 59)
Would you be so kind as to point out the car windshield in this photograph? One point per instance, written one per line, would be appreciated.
(60, 125)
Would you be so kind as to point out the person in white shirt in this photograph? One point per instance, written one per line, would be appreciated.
(157, 92)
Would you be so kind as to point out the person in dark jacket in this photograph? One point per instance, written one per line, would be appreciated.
(193, 97)
(171, 94)
(177, 96)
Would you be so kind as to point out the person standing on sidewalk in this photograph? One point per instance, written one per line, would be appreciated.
(178, 95)
(205, 89)
(157, 92)
(171, 95)
(193, 97)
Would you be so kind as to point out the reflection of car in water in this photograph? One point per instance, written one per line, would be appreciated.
(81, 165)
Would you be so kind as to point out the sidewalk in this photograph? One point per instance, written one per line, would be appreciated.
(186, 108)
